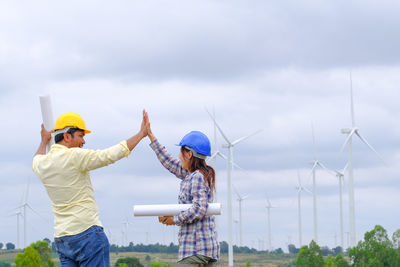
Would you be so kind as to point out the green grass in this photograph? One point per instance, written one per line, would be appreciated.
(239, 259)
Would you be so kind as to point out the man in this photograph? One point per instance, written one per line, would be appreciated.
(64, 172)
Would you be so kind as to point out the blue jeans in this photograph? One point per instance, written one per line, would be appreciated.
(89, 248)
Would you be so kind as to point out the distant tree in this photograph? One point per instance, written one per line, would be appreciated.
(375, 250)
(147, 258)
(310, 256)
(30, 258)
(396, 239)
(278, 251)
(53, 246)
(10, 246)
(337, 250)
(292, 249)
(326, 251)
(129, 261)
(44, 250)
(223, 246)
(330, 262)
(1, 245)
(248, 264)
(341, 262)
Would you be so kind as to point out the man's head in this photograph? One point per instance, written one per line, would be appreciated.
(70, 130)
(73, 137)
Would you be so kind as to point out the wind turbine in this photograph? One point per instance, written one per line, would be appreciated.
(24, 207)
(240, 199)
(269, 207)
(315, 163)
(18, 213)
(125, 223)
(350, 132)
(229, 145)
(340, 176)
(299, 189)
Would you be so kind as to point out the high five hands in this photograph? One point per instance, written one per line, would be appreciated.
(145, 128)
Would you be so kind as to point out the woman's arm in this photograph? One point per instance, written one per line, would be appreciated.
(199, 194)
(171, 164)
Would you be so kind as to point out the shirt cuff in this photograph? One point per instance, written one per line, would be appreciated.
(125, 146)
(176, 220)
(154, 145)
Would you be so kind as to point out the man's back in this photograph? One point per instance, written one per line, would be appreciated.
(65, 174)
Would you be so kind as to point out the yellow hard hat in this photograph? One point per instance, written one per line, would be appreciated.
(70, 119)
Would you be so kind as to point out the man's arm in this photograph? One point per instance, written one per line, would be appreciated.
(46, 136)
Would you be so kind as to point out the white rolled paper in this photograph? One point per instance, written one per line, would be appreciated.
(171, 209)
(47, 116)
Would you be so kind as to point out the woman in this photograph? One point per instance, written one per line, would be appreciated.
(197, 235)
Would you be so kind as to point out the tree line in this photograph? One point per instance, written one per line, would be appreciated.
(172, 248)
(376, 249)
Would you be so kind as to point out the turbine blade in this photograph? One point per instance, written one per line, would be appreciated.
(237, 166)
(219, 128)
(221, 155)
(347, 139)
(353, 123)
(212, 156)
(313, 140)
(313, 167)
(245, 137)
(370, 147)
(305, 189)
(237, 193)
(29, 206)
(325, 168)
(345, 168)
(298, 178)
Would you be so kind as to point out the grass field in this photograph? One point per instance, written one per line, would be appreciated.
(239, 259)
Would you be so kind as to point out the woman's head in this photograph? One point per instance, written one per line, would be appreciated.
(195, 147)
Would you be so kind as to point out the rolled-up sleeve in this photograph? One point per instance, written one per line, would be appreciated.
(172, 165)
(86, 159)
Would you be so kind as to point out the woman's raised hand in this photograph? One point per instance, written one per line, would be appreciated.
(148, 127)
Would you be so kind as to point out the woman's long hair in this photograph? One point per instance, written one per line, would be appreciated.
(201, 165)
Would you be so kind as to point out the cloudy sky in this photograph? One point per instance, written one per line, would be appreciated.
(277, 66)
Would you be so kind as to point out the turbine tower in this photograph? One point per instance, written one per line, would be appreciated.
(350, 132)
(340, 176)
(240, 199)
(299, 189)
(229, 145)
(268, 207)
(315, 163)
(18, 213)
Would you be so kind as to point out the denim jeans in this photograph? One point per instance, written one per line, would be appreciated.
(89, 248)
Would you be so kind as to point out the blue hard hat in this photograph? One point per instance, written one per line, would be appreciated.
(197, 141)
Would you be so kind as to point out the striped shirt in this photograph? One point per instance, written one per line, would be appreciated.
(197, 234)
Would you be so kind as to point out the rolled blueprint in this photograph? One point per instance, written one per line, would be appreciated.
(171, 209)
(47, 116)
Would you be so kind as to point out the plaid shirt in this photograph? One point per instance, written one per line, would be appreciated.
(197, 234)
